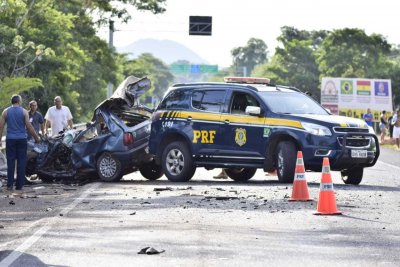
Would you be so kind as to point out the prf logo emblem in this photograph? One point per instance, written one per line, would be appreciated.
(203, 136)
(240, 137)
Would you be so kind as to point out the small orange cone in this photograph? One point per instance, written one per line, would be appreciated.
(326, 201)
(300, 187)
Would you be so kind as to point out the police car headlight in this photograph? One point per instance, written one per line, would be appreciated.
(371, 130)
(316, 129)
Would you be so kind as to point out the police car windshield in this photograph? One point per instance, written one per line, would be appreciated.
(289, 102)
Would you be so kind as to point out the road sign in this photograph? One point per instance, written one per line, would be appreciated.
(200, 25)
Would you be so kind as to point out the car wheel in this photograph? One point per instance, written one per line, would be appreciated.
(109, 168)
(240, 174)
(286, 161)
(177, 163)
(151, 171)
(352, 176)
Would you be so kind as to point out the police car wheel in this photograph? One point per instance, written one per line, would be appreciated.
(352, 176)
(151, 171)
(240, 174)
(286, 161)
(109, 168)
(177, 162)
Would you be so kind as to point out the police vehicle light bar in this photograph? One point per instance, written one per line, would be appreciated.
(254, 80)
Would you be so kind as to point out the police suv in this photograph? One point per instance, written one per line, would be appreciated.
(248, 123)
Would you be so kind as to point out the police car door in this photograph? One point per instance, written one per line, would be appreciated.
(207, 105)
(243, 132)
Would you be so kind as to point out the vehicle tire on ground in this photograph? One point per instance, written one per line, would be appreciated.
(352, 176)
(109, 168)
(240, 174)
(177, 162)
(151, 171)
(286, 161)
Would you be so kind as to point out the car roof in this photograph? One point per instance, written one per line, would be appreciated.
(253, 87)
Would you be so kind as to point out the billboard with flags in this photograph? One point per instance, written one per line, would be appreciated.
(352, 96)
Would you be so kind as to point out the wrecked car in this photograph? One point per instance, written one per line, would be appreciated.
(113, 144)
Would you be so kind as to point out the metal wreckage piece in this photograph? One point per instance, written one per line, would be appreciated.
(76, 151)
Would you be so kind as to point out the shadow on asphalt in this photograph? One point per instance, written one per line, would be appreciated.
(24, 259)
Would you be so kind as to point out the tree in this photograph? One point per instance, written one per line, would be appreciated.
(249, 56)
(156, 70)
(352, 53)
(81, 64)
(294, 63)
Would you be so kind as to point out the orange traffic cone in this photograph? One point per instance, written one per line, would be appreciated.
(326, 201)
(300, 187)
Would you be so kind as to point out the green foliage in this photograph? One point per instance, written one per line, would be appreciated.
(156, 70)
(294, 63)
(251, 55)
(352, 53)
(112, 11)
(55, 42)
(18, 85)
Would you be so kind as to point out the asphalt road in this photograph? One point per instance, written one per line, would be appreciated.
(204, 222)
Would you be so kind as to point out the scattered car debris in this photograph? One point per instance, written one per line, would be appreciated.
(159, 189)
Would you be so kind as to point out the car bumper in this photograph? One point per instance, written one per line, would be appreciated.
(341, 158)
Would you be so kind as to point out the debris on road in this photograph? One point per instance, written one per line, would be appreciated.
(150, 251)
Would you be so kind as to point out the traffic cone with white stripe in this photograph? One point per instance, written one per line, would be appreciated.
(326, 201)
(300, 187)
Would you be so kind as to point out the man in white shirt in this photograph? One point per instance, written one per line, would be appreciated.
(59, 117)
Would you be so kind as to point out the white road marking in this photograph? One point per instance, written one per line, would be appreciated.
(13, 256)
(389, 165)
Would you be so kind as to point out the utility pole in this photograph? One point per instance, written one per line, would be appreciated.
(110, 45)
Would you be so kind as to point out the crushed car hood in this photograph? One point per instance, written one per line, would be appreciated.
(126, 95)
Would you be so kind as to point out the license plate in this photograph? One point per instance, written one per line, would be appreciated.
(359, 153)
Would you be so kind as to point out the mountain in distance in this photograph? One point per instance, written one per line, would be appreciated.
(166, 50)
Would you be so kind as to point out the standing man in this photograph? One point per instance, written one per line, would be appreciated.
(35, 118)
(17, 120)
(58, 117)
(368, 117)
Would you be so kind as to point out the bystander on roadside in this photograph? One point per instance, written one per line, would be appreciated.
(368, 117)
(382, 125)
(396, 127)
(17, 120)
(35, 118)
(58, 117)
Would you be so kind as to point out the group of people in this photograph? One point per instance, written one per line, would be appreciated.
(392, 124)
(23, 125)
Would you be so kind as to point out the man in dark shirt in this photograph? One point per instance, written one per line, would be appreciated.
(17, 120)
(35, 118)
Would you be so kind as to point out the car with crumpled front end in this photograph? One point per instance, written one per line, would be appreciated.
(113, 144)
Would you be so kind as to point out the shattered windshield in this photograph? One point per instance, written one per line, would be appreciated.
(291, 103)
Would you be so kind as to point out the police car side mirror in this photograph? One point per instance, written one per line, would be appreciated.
(328, 110)
(253, 110)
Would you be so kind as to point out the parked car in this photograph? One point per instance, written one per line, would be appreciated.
(248, 123)
(114, 143)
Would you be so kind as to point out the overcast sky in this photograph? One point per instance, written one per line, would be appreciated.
(236, 21)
